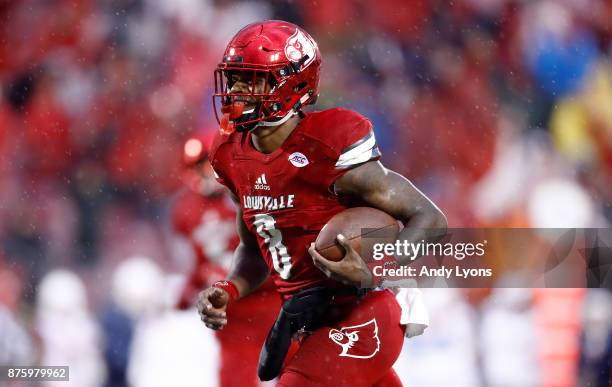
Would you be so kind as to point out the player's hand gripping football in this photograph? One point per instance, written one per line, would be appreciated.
(212, 303)
(350, 270)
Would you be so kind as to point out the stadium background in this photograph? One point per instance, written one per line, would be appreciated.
(499, 110)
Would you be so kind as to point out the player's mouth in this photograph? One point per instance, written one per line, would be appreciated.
(249, 104)
(246, 100)
(238, 107)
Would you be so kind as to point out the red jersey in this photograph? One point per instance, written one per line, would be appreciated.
(209, 224)
(287, 196)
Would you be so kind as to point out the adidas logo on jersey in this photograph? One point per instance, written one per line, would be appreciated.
(261, 183)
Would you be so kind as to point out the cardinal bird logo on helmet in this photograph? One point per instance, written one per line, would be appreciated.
(299, 45)
(359, 341)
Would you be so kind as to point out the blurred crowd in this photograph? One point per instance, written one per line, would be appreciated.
(499, 110)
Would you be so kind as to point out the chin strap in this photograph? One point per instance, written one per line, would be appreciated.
(291, 113)
(279, 122)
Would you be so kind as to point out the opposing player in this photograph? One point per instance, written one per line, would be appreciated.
(289, 172)
(205, 216)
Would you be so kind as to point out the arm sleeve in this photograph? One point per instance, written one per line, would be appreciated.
(356, 146)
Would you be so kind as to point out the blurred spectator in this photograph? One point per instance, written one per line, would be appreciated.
(118, 333)
(559, 51)
(135, 295)
(596, 354)
(509, 359)
(167, 347)
(69, 334)
(451, 342)
(557, 324)
(137, 285)
(16, 345)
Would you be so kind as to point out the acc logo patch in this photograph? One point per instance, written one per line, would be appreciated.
(298, 159)
(359, 341)
(299, 45)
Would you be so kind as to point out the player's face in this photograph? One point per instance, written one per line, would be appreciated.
(247, 82)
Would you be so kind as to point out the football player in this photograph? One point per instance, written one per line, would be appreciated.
(205, 216)
(290, 171)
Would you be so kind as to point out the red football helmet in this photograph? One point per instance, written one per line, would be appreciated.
(285, 56)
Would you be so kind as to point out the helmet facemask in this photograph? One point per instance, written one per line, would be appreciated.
(243, 111)
(268, 108)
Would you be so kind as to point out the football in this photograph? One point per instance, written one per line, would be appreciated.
(352, 223)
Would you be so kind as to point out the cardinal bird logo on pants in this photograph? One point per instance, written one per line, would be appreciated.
(358, 341)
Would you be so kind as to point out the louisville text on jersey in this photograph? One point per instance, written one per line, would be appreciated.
(267, 203)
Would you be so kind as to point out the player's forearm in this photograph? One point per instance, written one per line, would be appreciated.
(248, 270)
(427, 225)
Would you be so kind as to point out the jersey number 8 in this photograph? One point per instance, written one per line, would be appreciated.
(273, 238)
